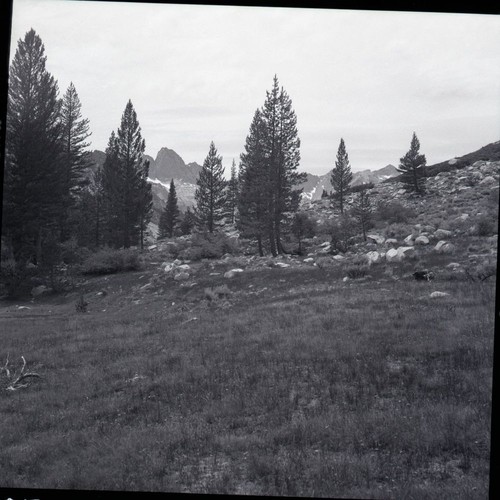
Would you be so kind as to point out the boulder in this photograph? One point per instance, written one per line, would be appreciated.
(152, 247)
(373, 257)
(182, 276)
(377, 238)
(232, 273)
(326, 248)
(282, 264)
(409, 239)
(421, 240)
(391, 255)
(442, 233)
(435, 295)
(405, 252)
(488, 180)
(391, 241)
(184, 267)
(338, 257)
(444, 247)
(308, 260)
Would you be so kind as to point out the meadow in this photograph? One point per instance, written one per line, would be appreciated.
(292, 382)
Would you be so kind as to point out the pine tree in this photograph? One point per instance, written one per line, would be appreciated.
(232, 194)
(33, 187)
(210, 192)
(253, 199)
(144, 200)
(76, 160)
(341, 175)
(170, 214)
(112, 187)
(302, 227)
(412, 168)
(362, 211)
(282, 150)
(188, 222)
(125, 181)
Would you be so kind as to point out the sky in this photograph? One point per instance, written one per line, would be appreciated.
(197, 73)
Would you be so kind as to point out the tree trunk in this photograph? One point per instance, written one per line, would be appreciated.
(259, 242)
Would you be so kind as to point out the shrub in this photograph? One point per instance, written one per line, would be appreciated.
(342, 231)
(357, 271)
(361, 187)
(486, 226)
(12, 276)
(398, 231)
(394, 211)
(209, 246)
(72, 253)
(109, 261)
(218, 292)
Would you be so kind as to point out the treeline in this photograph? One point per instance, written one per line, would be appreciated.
(260, 199)
(51, 194)
(55, 198)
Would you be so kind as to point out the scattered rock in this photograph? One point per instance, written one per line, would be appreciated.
(488, 180)
(405, 252)
(444, 247)
(184, 267)
(282, 264)
(421, 240)
(435, 295)
(391, 255)
(409, 239)
(182, 276)
(442, 233)
(22, 308)
(373, 257)
(391, 241)
(377, 238)
(345, 279)
(308, 260)
(338, 257)
(232, 273)
(152, 247)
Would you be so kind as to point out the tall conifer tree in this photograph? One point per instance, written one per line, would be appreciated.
(125, 181)
(362, 211)
(170, 214)
(341, 175)
(282, 150)
(76, 159)
(254, 217)
(412, 168)
(232, 194)
(33, 178)
(210, 195)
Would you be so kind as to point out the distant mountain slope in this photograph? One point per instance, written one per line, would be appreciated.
(490, 152)
(169, 165)
(313, 187)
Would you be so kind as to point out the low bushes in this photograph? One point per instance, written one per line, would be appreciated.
(394, 212)
(209, 246)
(109, 261)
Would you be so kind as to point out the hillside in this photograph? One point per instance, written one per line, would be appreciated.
(490, 152)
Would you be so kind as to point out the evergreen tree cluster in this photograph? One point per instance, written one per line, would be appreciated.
(268, 173)
(50, 194)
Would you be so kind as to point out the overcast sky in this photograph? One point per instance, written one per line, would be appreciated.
(198, 73)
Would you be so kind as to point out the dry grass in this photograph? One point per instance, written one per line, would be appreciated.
(305, 386)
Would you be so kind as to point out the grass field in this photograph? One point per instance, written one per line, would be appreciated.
(294, 384)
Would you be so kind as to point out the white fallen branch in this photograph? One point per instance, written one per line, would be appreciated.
(19, 381)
